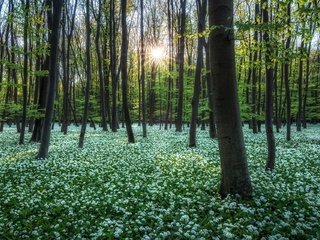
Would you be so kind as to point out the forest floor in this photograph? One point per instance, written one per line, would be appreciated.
(157, 188)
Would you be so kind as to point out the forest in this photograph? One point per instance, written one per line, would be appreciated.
(173, 119)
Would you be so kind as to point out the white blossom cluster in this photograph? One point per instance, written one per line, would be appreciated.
(157, 188)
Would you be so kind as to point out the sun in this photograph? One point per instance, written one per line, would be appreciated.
(157, 54)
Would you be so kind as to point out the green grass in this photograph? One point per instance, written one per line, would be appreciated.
(157, 188)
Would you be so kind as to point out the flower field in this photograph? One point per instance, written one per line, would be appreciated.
(157, 188)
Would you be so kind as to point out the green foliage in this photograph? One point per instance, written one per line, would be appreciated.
(156, 188)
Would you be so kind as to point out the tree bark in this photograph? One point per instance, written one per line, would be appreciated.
(202, 11)
(181, 51)
(88, 75)
(143, 87)
(254, 72)
(54, 27)
(270, 164)
(124, 71)
(286, 76)
(113, 66)
(25, 73)
(103, 106)
(234, 169)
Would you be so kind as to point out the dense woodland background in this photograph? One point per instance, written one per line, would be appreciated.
(24, 48)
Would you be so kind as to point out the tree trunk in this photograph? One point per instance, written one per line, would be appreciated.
(170, 67)
(124, 71)
(65, 81)
(143, 87)
(88, 73)
(181, 51)
(254, 72)
(286, 76)
(299, 113)
(54, 27)
(25, 73)
(234, 169)
(202, 11)
(269, 87)
(113, 66)
(304, 106)
(103, 110)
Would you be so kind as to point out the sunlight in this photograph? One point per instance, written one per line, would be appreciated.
(157, 54)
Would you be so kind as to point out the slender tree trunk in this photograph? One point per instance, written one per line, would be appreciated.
(143, 87)
(304, 107)
(234, 169)
(275, 82)
(170, 67)
(124, 71)
(88, 75)
(202, 11)
(259, 90)
(113, 66)
(152, 94)
(13, 71)
(299, 113)
(101, 73)
(65, 81)
(269, 87)
(254, 72)
(181, 51)
(54, 27)
(25, 73)
(286, 76)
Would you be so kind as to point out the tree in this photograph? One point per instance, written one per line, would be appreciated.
(286, 75)
(101, 72)
(254, 72)
(234, 169)
(181, 50)
(54, 27)
(124, 70)
(25, 72)
(142, 57)
(170, 65)
(66, 64)
(88, 75)
(113, 66)
(269, 87)
(202, 11)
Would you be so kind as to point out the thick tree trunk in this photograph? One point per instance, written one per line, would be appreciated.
(234, 169)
